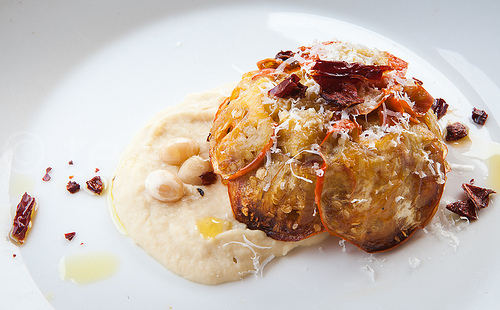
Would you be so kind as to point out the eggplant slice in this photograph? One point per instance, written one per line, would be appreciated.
(278, 199)
(377, 192)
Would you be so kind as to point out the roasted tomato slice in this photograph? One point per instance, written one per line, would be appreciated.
(278, 198)
(377, 192)
(242, 131)
(422, 100)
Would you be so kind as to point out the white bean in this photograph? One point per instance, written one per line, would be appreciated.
(192, 168)
(165, 186)
(177, 150)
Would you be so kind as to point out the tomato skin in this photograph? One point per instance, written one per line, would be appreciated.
(242, 131)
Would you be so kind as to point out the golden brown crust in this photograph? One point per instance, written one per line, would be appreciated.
(358, 154)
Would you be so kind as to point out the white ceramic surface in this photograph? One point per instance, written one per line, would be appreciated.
(79, 78)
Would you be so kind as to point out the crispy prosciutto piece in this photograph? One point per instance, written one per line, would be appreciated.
(478, 198)
(455, 132)
(22, 223)
(337, 80)
(440, 107)
(479, 116)
(332, 73)
(289, 88)
(465, 208)
(478, 195)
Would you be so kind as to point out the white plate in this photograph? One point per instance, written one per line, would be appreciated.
(79, 78)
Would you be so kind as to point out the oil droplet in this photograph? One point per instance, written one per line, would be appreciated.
(21, 183)
(489, 152)
(482, 149)
(112, 211)
(210, 227)
(464, 143)
(494, 172)
(49, 296)
(88, 267)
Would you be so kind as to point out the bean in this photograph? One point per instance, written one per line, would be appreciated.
(192, 168)
(177, 150)
(165, 186)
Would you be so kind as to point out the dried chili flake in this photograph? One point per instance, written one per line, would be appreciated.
(440, 107)
(47, 177)
(96, 170)
(455, 131)
(284, 55)
(22, 220)
(72, 187)
(480, 196)
(69, 236)
(465, 208)
(70, 163)
(479, 116)
(95, 185)
(289, 88)
(208, 177)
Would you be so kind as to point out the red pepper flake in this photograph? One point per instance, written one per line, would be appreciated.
(479, 116)
(72, 187)
(478, 195)
(70, 163)
(440, 107)
(69, 236)
(95, 185)
(208, 177)
(47, 177)
(14, 255)
(455, 131)
(22, 220)
(71, 176)
(289, 88)
(96, 170)
(464, 208)
(81, 243)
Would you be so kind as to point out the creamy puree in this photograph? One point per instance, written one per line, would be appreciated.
(196, 237)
